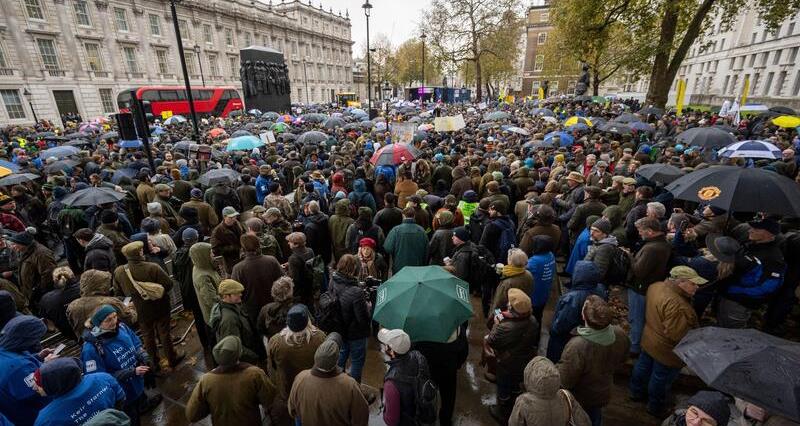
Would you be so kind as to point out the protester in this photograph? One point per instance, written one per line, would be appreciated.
(227, 318)
(21, 354)
(406, 369)
(544, 403)
(407, 244)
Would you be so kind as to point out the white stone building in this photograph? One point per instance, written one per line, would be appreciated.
(718, 63)
(60, 56)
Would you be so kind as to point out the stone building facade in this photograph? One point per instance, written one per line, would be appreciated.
(538, 68)
(60, 56)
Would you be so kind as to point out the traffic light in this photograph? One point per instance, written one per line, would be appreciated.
(127, 128)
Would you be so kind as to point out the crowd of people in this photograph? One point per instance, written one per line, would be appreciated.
(273, 251)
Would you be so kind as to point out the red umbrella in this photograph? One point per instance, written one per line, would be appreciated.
(394, 154)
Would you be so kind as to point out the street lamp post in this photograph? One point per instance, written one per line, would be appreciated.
(305, 77)
(367, 9)
(387, 93)
(27, 96)
(189, 96)
(199, 62)
(423, 37)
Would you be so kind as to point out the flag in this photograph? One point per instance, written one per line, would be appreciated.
(745, 89)
(679, 98)
(541, 94)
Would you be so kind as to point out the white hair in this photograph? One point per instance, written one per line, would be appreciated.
(657, 208)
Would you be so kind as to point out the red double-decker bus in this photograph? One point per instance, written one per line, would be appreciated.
(216, 101)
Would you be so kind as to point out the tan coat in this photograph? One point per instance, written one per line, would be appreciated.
(205, 215)
(330, 400)
(231, 395)
(286, 361)
(668, 317)
(146, 193)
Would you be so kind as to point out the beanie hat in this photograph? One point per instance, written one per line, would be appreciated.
(59, 376)
(712, 403)
(250, 243)
(101, 314)
(150, 225)
(108, 216)
(23, 238)
(519, 301)
(461, 233)
(196, 193)
(445, 217)
(297, 317)
(189, 235)
(470, 196)
(367, 242)
(602, 225)
(230, 286)
(591, 220)
(326, 356)
(227, 351)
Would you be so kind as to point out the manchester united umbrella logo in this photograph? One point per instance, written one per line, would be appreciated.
(708, 193)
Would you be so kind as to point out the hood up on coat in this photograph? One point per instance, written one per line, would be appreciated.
(60, 375)
(542, 379)
(585, 275)
(95, 283)
(23, 333)
(200, 253)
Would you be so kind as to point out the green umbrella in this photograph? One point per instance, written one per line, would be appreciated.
(427, 302)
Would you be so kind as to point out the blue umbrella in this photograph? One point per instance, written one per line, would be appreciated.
(244, 143)
(130, 143)
(240, 133)
(175, 119)
(566, 138)
(581, 127)
(59, 152)
(9, 165)
(157, 130)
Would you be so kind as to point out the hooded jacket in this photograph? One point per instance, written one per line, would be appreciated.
(515, 340)
(228, 319)
(602, 253)
(75, 397)
(99, 254)
(616, 216)
(95, 287)
(35, 270)
(318, 235)
(18, 399)
(360, 197)
(543, 404)
(338, 224)
(117, 353)
(461, 182)
(205, 278)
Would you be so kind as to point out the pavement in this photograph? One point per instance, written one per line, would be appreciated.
(474, 393)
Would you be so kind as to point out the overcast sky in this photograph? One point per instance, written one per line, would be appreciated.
(398, 19)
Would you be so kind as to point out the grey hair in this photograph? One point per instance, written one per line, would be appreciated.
(657, 208)
(313, 206)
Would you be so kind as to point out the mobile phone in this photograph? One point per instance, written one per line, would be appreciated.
(127, 301)
(497, 312)
(59, 348)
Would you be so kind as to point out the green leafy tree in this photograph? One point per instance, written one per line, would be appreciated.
(408, 58)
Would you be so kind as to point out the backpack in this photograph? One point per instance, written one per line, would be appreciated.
(315, 271)
(618, 268)
(508, 239)
(329, 312)
(426, 394)
(482, 265)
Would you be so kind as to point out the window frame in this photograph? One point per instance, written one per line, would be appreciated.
(538, 65)
(154, 24)
(130, 60)
(539, 40)
(82, 4)
(162, 60)
(48, 67)
(39, 6)
(99, 57)
(17, 114)
(124, 19)
(103, 104)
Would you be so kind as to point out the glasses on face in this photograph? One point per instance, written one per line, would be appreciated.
(696, 417)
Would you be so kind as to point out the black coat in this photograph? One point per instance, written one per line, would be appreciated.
(100, 255)
(355, 312)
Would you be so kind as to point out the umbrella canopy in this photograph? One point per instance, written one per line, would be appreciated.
(255, 112)
(788, 121)
(77, 135)
(496, 115)
(519, 131)
(175, 119)
(250, 126)
(244, 143)
(549, 119)
(706, 137)
(658, 112)
(333, 123)
(240, 133)
(739, 189)
(661, 173)
(565, 138)
(582, 98)
(15, 179)
(125, 172)
(157, 130)
(286, 137)
(93, 197)
(748, 364)
(270, 115)
(597, 121)
(60, 165)
(55, 139)
(751, 149)
(133, 143)
(5, 171)
(725, 128)
(313, 137)
(426, 302)
(538, 144)
(358, 112)
(783, 110)
(216, 175)
(109, 135)
(545, 112)
(393, 154)
(89, 127)
(285, 118)
(235, 113)
(314, 118)
(616, 128)
(626, 118)
(640, 126)
(575, 120)
(217, 132)
(59, 152)
(579, 127)
(9, 165)
(280, 127)
(599, 99)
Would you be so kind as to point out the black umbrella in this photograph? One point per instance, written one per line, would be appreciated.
(109, 135)
(706, 137)
(661, 173)
(77, 142)
(239, 133)
(42, 135)
(333, 123)
(286, 137)
(626, 118)
(56, 138)
(121, 173)
(783, 110)
(60, 165)
(313, 137)
(216, 175)
(725, 128)
(582, 98)
(235, 113)
(16, 179)
(77, 135)
(740, 189)
(314, 118)
(616, 128)
(658, 112)
(748, 364)
(93, 197)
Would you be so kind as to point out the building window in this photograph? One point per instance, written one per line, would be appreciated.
(93, 58)
(248, 39)
(752, 60)
(768, 83)
(228, 37)
(183, 26)
(82, 13)
(233, 65)
(542, 38)
(3, 60)
(725, 84)
(155, 25)
(722, 44)
(544, 17)
(553, 88)
(734, 82)
(213, 67)
(13, 104)
(130, 59)
(107, 99)
(764, 58)
(779, 84)
(34, 10)
(207, 34)
(163, 61)
(790, 29)
(753, 38)
(47, 50)
(796, 88)
(538, 65)
(121, 17)
(754, 83)
(776, 57)
(793, 55)
(191, 66)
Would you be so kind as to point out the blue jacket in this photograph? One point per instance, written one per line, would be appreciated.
(360, 197)
(118, 354)
(567, 315)
(95, 393)
(762, 274)
(543, 268)
(18, 399)
(262, 188)
(579, 250)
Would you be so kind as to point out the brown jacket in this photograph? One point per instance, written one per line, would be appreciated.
(36, 269)
(231, 395)
(523, 281)
(650, 263)
(552, 231)
(141, 270)
(146, 193)
(205, 215)
(256, 273)
(587, 368)
(225, 242)
(404, 189)
(328, 399)
(287, 361)
(668, 317)
(95, 292)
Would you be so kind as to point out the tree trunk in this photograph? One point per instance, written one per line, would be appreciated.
(478, 80)
(596, 83)
(659, 84)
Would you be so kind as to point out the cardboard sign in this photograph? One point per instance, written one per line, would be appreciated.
(267, 137)
(403, 132)
(449, 123)
(166, 114)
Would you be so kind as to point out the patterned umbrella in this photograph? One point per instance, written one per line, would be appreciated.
(751, 149)
(394, 154)
(575, 120)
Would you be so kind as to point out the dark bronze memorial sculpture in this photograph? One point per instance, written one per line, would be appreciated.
(265, 79)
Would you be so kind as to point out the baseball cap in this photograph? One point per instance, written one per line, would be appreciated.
(687, 273)
(629, 181)
(229, 212)
(395, 339)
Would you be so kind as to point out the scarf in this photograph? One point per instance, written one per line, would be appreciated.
(368, 268)
(604, 337)
(511, 270)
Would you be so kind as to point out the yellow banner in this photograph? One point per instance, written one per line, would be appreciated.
(679, 98)
(745, 89)
(166, 114)
(541, 94)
